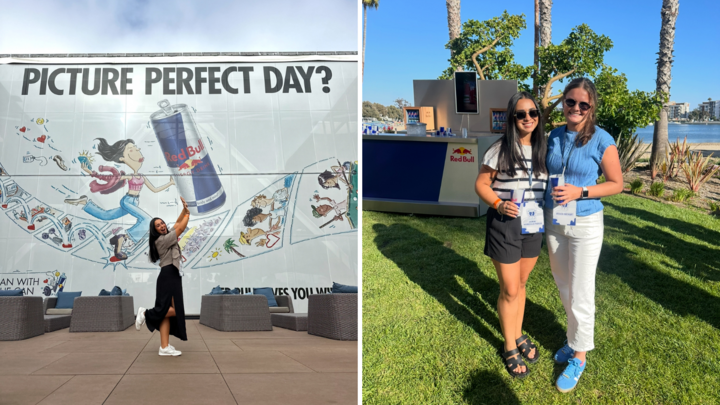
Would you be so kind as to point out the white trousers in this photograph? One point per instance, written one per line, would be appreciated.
(574, 252)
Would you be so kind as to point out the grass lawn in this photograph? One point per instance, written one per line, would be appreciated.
(431, 332)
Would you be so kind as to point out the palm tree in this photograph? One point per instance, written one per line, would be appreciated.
(453, 15)
(543, 33)
(230, 245)
(669, 13)
(366, 4)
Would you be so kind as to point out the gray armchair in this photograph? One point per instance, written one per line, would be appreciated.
(333, 316)
(107, 313)
(21, 317)
(229, 312)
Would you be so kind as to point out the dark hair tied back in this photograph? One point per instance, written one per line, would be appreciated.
(154, 235)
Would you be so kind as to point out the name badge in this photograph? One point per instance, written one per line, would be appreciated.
(563, 214)
(531, 217)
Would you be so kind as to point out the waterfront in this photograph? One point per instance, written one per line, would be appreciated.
(696, 133)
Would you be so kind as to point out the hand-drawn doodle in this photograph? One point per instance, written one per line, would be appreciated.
(123, 151)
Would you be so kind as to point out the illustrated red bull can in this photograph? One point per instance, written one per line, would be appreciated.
(187, 157)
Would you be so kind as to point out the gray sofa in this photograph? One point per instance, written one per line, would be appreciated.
(107, 313)
(333, 316)
(229, 312)
(55, 318)
(21, 317)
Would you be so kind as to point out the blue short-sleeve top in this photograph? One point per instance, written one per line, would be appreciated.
(583, 163)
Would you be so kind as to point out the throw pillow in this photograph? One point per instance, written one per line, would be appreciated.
(66, 299)
(103, 292)
(338, 288)
(216, 290)
(11, 293)
(116, 291)
(267, 292)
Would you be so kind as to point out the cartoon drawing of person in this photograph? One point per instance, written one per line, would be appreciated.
(332, 179)
(255, 216)
(123, 151)
(279, 199)
(252, 233)
(322, 210)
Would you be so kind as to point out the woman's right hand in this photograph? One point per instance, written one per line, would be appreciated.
(508, 208)
(185, 208)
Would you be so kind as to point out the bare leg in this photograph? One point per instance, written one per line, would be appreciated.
(509, 278)
(526, 266)
(165, 326)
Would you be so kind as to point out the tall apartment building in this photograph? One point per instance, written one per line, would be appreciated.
(712, 107)
(678, 111)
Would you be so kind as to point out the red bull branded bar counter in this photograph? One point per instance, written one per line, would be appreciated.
(423, 175)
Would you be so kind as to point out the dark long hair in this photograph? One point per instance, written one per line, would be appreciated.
(154, 235)
(112, 153)
(509, 155)
(588, 130)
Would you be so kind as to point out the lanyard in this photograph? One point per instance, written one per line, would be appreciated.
(564, 163)
(529, 172)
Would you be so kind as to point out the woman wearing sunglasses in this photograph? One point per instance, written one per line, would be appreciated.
(579, 152)
(514, 166)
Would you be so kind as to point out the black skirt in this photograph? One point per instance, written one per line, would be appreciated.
(169, 286)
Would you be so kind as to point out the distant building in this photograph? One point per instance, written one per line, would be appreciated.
(712, 107)
(678, 111)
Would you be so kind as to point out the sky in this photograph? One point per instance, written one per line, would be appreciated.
(406, 41)
(131, 26)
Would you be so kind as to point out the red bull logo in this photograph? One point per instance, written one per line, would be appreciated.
(186, 153)
(462, 158)
(190, 164)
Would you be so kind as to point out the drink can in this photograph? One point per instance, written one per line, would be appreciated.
(188, 158)
(557, 181)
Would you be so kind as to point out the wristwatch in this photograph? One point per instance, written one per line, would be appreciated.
(584, 193)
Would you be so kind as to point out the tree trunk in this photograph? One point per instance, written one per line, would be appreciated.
(364, 37)
(669, 13)
(537, 43)
(453, 16)
(544, 28)
(237, 253)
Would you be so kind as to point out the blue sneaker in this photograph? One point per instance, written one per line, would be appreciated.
(564, 354)
(569, 378)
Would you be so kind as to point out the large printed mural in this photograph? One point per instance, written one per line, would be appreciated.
(264, 154)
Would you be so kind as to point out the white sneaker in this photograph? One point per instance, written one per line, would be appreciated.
(140, 319)
(169, 351)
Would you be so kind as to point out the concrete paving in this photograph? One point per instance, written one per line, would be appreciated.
(215, 368)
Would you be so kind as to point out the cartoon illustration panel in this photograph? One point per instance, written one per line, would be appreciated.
(255, 227)
(327, 200)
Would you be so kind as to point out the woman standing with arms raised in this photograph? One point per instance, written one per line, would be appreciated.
(578, 153)
(168, 315)
(514, 164)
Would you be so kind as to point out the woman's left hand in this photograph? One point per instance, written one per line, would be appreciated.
(566, 193)
(184, 204)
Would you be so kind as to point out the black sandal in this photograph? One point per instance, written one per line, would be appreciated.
(513, 360)
(525, 345)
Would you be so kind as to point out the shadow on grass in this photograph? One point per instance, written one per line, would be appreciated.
(436, 269)
(691, 255)
(486, 387)
(675, 295)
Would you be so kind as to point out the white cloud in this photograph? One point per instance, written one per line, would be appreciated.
(115, 26)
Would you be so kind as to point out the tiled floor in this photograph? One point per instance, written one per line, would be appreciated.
(215, 368)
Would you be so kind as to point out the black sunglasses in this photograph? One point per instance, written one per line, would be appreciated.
(583, 105)
(522, 114)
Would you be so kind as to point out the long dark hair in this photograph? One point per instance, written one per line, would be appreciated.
(250, 214)
(588, 130)
(112, 153)
(154, 235)
(509, 155)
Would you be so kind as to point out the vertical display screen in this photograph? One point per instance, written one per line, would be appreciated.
(466, 93)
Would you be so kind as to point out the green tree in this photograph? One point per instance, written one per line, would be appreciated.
(621, 111)
(366, 4)
(369, 110)
(485, 47)
(394, 113)
(580, 54)
(669, 13)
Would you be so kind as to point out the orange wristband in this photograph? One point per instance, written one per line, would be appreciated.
(495, 204)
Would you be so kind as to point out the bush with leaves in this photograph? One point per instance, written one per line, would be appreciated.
(630, 148)
(697, 170)
(714, 207)
(636, 186)
(657, 189)
(681, 195)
